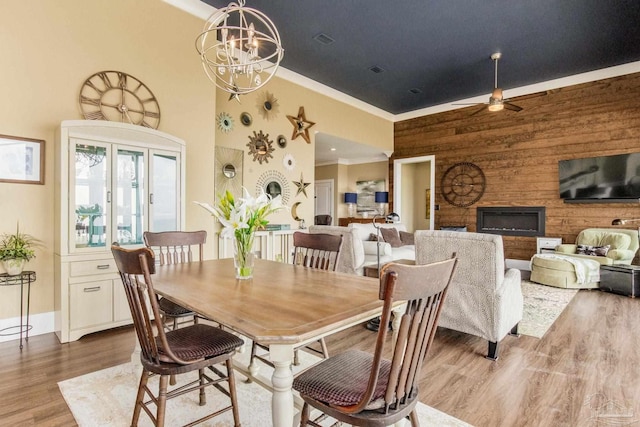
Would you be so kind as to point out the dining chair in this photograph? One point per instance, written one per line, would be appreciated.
(365, 389)
(316, 250)
(175, 247)
(179, 351)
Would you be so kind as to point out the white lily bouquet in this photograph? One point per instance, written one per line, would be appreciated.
(240, 220)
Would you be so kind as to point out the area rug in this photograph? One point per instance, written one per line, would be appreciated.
(542, 306)
(106, 398)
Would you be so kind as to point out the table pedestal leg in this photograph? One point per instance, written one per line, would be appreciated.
(282, 380)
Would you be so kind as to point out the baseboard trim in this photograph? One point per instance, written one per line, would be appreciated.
(42, 324)
(520, 264)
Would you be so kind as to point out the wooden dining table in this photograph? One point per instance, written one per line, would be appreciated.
(283, 306)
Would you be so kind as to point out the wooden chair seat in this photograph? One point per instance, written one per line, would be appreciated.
(197, 342)
(342, 380)
(365, 389)
(171, 309)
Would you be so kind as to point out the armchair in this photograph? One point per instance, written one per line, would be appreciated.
(484, 299)
(622, 245)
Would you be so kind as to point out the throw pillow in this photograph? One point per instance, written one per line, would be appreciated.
(373, 237)
(592, 250)
(391, 236)
(407, 238)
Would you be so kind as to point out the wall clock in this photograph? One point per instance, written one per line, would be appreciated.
(463, 184)
(119, 97)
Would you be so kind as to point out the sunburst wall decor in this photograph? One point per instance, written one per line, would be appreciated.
(261, 147)
(274, 183)
(225, 122)
(228, 171)
(268, 106)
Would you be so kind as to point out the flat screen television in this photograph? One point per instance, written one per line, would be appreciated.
(604, 179)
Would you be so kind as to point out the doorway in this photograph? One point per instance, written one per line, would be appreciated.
(413, 191)
(324, 198)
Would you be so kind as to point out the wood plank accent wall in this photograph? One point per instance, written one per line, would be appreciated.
(519, 153)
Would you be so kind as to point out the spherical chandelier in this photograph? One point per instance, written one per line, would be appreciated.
(240, 49)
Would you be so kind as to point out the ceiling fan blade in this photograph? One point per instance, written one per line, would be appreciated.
(478, 111)
(470, 103)
(512, 107)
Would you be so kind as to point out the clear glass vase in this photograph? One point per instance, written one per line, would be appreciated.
(243, 256)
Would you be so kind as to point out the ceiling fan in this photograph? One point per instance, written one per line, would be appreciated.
(496, 100)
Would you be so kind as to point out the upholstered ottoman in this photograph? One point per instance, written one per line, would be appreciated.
(564, 271)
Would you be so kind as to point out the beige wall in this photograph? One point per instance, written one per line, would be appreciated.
(50, 49)
(329, 116)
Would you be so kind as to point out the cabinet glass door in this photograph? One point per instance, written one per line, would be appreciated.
(164, 191)
(91, 194)
(130, 196)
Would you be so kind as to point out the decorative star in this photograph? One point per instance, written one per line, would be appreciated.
(302, 186)
(301, 125)
(235, 94)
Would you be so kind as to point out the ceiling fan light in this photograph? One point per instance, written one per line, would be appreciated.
(496, 107)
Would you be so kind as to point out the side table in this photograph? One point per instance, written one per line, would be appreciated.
(26, 277)
(620, 279)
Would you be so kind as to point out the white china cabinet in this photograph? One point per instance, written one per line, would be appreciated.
(113, 182)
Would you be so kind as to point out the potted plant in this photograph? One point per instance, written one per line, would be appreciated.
(15, 250)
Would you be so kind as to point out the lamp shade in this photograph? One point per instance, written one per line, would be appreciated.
(351, 197)
(382, 197)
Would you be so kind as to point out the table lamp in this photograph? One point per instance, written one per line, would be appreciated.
(351, 199)
(381, 198)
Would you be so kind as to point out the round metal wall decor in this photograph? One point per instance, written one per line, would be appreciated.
(273, 183)
(246, 119)
(261, 147)
(119, 97)
(463, 184)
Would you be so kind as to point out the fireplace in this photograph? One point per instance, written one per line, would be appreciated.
(512, 221)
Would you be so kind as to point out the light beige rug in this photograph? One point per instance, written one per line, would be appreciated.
(106, 398)
(542, 306)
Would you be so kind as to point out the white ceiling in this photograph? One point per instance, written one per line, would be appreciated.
(330, 149)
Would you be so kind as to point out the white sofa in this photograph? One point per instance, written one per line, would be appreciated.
(358, 250)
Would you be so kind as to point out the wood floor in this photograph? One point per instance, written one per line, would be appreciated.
(586, 366)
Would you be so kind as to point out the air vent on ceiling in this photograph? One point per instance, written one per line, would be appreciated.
(377, 69)
(415, 91)
(323, 38)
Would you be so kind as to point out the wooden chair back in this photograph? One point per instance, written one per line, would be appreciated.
(175, 247)
(316, 250)
(136, 267)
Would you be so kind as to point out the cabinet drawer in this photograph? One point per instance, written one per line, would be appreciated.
(91, 304)
(88, 268)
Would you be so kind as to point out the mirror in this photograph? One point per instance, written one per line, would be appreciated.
(260, 147)
(246, 119)
(273, 189)
(273, 183)
(229, 170)
(282, 141)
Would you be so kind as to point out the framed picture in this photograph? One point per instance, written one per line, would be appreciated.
(21, 160)
(366, 204)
